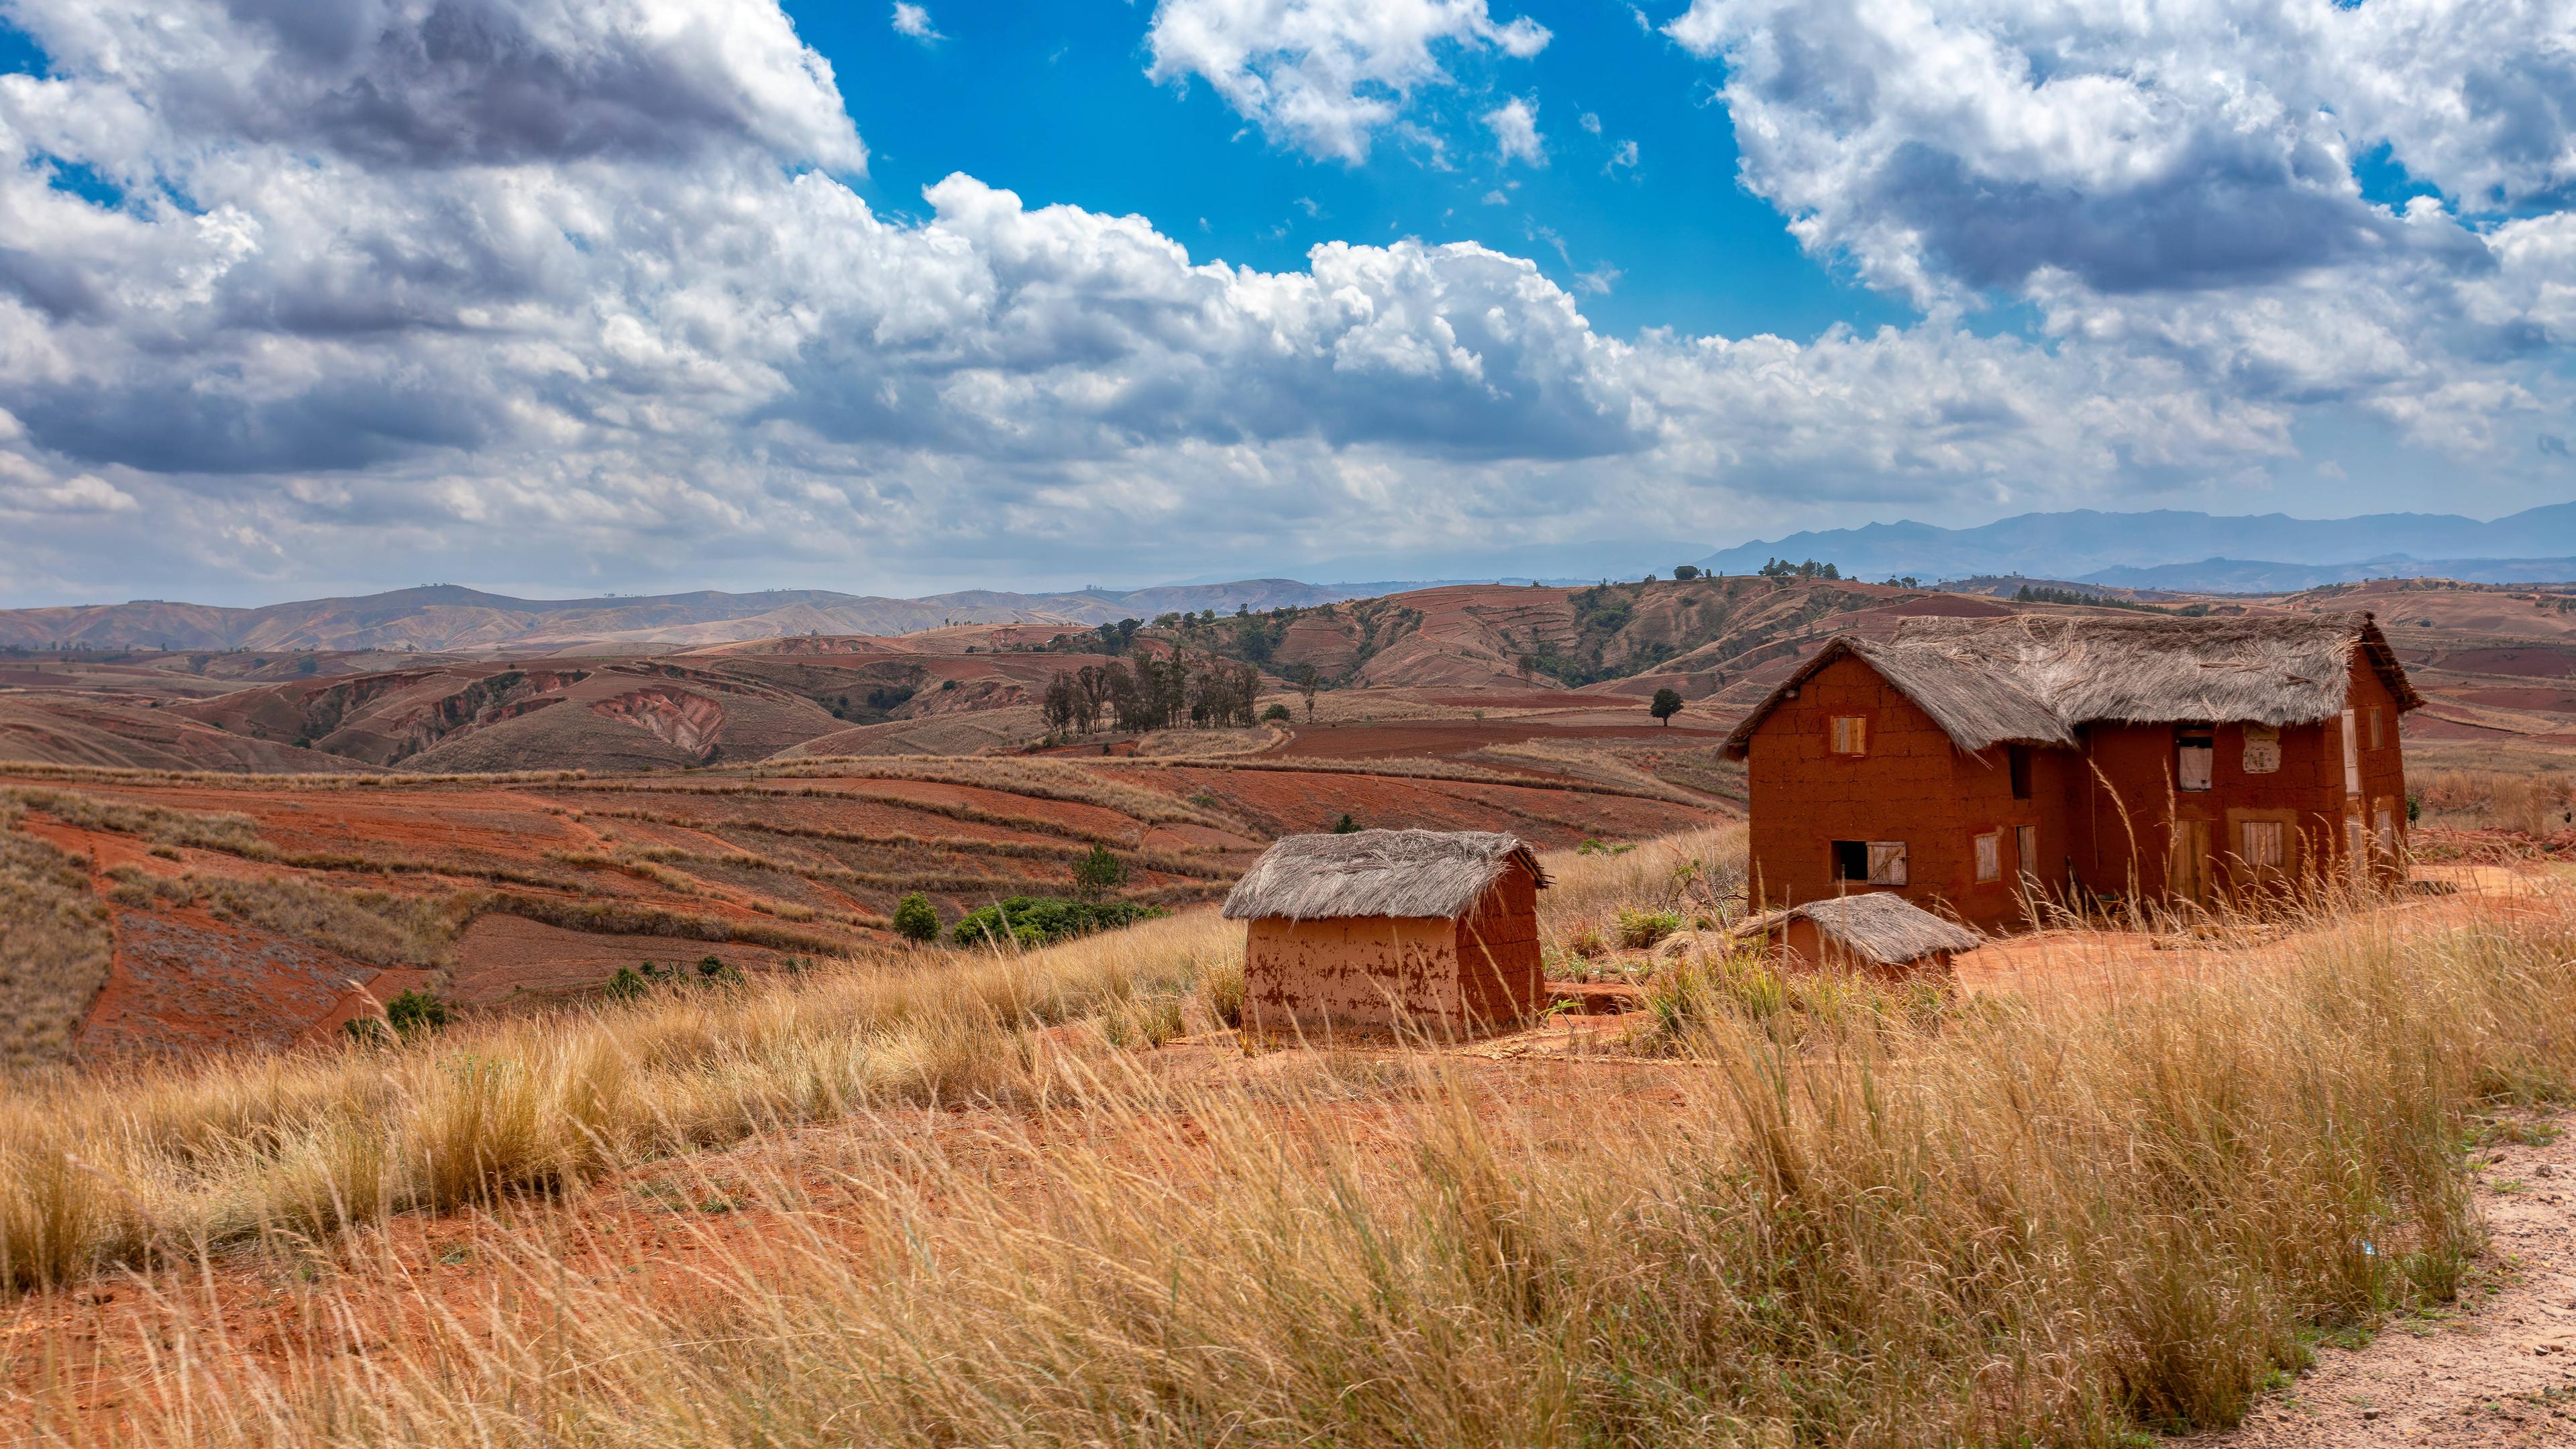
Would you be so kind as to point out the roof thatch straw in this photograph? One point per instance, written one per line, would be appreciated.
(1377, 873)
(1883, 928)
(2033, 678)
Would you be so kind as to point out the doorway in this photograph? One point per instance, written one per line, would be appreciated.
(2187, 872)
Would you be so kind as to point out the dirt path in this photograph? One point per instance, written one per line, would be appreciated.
(2498, 1368)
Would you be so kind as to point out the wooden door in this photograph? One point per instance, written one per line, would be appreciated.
(2187, 866)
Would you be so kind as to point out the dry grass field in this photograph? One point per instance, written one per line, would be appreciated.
(1046, 1197)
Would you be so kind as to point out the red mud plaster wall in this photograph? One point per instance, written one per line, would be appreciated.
(1363, 971)
(1906, 786)
(1498, 950)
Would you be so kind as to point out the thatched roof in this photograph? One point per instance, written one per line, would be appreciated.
(2034, 678)
(1376, 873)
(1885, 928)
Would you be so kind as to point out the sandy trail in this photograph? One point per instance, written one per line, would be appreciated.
(2497, 1368)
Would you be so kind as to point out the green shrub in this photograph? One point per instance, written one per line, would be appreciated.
(1276, 712)
(1043, 920)
(1346, 825)
(417, 1013)
(915, 919)
(1097, 874)
(1639, 930)
(627, 985)
(716, 971)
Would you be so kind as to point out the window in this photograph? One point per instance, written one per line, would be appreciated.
(2262, 749)
(1887, 862)
(1870, 862)
(2377, 738)
(1851, 860)
(2351, 761)
(2026, 849)
(1850, 734)
(2387, 829)
(1990, 856)
(2193, 754)
(2017, 764)
(2263, 845)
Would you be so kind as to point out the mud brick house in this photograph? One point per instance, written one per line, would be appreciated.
(1964, 761)
(1878, 933)
(1379, 928)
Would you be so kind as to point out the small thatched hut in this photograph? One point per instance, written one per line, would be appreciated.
(1380, 928)
(1880, 934)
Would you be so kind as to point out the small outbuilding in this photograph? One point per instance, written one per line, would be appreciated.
(1431, 930)
(1876, 934)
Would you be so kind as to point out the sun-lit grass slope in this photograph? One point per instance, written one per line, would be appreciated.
(1825, 1216)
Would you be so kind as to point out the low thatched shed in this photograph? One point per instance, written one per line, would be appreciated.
(1878, 933)
(1436, 930)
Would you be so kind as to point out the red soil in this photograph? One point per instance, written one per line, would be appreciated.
(501, 958)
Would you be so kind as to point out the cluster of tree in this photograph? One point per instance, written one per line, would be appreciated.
(1151, 692)
(1903, 581)
(2044, 595)
(1781, 568)
(1033, 921)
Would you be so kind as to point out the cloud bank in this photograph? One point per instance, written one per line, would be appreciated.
(579, 289)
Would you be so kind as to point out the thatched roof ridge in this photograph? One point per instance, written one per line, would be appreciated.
(1414, 873)
(2034, 678)
(1885, 928)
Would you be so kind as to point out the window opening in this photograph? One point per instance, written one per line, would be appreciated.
(1851, 860)
(2263, 845)
(2193, 756)
(2017, 764)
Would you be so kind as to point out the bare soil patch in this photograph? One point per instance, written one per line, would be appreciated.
(500, 958)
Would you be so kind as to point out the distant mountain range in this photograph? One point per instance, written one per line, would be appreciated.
(450, 618)
(2169, 549)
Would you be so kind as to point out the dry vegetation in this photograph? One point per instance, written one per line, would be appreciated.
(2539, 804)
(55, 947)
(1827, 1218)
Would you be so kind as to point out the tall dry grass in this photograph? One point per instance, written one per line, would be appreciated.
(55, 947)
(2048, 1222)
(2538, 804)
(127, 1168)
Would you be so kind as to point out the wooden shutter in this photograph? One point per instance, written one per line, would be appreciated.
(1887, 862)
(1990, 855)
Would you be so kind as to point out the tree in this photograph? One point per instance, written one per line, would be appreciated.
(915, 919)
(1346, 825)
(1097, 874)
(1668, 702)
(1061, 705)
(1308, 681)
(1686, 572)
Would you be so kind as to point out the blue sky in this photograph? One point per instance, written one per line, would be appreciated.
(1054, 103)
(557, 296)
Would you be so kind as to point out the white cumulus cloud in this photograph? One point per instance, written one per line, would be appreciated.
(1326, 75)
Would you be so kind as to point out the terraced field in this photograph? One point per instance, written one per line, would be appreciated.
(262, 911)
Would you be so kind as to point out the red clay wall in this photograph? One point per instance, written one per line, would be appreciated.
(1498, 954)
(1909, 784)
(1370, 971)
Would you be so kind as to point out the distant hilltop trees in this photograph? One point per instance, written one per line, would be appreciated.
(1151, 692)
(1781, 568)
